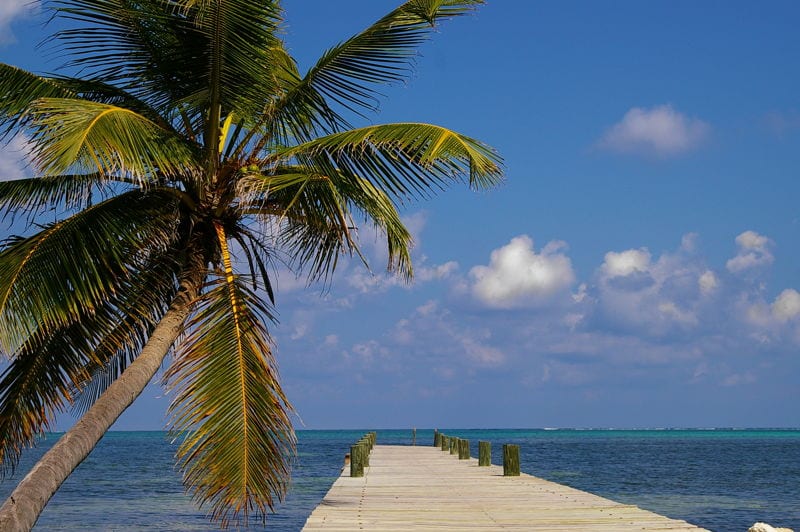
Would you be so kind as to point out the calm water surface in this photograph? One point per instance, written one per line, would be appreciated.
(723, 480)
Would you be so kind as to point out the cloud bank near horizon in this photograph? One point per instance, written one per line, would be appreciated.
(526, 315)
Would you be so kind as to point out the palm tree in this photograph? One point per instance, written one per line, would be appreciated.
(188, 154)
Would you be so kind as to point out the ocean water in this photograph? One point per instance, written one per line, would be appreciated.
(723, 480)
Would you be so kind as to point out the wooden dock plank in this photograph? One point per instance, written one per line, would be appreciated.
(423, 488)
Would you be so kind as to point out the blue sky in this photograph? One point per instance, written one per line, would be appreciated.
(638, 268)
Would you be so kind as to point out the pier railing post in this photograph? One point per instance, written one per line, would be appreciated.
(365, 448)
(463, 449)
(359, 454)
(437, 438)
(510, 460)
(356, 461)
(444, 441)
(454, 445)
(484, 453)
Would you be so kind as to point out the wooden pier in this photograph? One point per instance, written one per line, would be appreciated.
(422, 488)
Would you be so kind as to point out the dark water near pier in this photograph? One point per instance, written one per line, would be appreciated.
(724, 480)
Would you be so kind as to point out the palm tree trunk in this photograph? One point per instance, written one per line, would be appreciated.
(22, 508)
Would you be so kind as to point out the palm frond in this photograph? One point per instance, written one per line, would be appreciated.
(383, 53)
(37, 384)
(146, 47)
(230, 408)
(403, 160)
(36, 193)
(166, 51)
(318, 212)
(18, 89)
(71, 365)
(80, 136)
(52, 278)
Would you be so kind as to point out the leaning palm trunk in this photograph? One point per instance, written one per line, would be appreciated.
(22, 508)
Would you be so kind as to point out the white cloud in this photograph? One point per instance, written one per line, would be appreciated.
(786, 305)
(625, 263)
(14, 159)
(661, 131)
(707, 282)
(434, 273)
(517, 275)
(11, 10)
(754, 251)
(650, 296)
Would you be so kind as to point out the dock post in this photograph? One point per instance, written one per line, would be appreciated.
(356, 462)
(437, 438)
(454, 445)
(484, 453)
(365, 450)
(463, 449)
(444, 441)
(414, 436)
(510, 460)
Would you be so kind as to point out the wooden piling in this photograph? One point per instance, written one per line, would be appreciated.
(510, 460)
(365, 450)
(356, 461)
(463, 450)
(437, 438)
(444, 441)
(484, 453)
(453, 445)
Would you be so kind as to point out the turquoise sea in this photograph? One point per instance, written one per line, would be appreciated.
(723, 479)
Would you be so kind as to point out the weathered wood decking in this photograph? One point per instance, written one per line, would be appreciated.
(423, 488)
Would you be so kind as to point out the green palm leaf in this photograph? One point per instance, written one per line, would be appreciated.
(84, 137)
(19, 89)
(383, 53)
(402, 159)
(230, 406)
(319, 212)
(71, 267)
(38, 383)
(37, 193)
(76, 362)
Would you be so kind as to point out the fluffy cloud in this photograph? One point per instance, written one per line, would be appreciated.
(14, 155)
(634, 292)
(754, 251)
(660, 131)
(11, 10)
(786, 305)
(625, 263)
(518, 276)
(707, 282)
